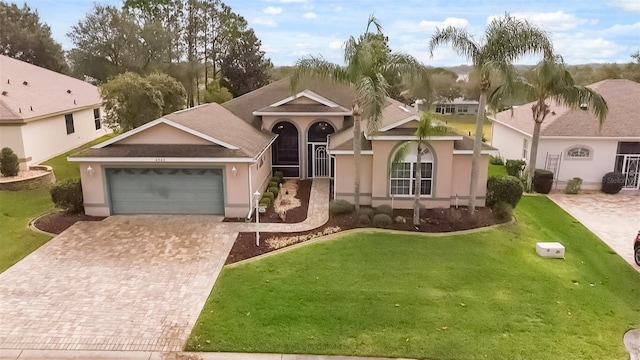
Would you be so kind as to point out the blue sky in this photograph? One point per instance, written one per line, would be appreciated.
(582, 31)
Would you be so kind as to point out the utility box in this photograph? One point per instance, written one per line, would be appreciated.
(553, 250)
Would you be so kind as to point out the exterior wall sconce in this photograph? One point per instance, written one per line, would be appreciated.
(90, 171)
(234, 171)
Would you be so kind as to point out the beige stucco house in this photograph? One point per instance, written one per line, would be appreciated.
(211, 159)
(571, 142)
(44, 113)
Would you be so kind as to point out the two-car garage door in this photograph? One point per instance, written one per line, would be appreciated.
(166, 191)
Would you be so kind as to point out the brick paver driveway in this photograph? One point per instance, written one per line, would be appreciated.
(126, 283)
(614, 218)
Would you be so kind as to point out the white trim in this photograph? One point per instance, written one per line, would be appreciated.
(578, 138)
(309, 95)
(509, 126)
(470, 152)
(349, 152)
(167, 122)
(414, 138)
(400, 122)
(159, 160)
(267, 113)
(266, 147)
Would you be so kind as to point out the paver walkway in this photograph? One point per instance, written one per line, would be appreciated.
(613, 218)
(124, 283)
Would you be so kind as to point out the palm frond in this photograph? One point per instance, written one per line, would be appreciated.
(509, 39)
(461, 41)
(316, 68)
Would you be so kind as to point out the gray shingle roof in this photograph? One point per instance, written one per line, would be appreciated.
(159, 150)
(33, 92)
(623, 120)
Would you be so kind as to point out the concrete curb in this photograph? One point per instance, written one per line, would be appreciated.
(32, 223)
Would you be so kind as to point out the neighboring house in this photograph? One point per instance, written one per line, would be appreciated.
(571, 142)
(44, 113)
(459, 106)
(212, 158)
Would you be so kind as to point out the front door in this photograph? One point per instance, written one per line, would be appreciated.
(631, 171)
(320, 160)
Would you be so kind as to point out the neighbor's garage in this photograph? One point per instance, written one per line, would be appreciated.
(165, 191)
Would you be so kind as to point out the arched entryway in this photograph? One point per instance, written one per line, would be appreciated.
(285, 153)
(317, 151)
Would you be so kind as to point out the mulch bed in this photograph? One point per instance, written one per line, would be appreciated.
(58, 222)
(431, 220)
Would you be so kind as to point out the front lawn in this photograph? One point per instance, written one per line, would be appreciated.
(17, 208)
(476, 296)
(467, 124)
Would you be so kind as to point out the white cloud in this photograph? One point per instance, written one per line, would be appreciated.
(336, 44)
(272, 10)
(618, 29)
(581, 48)
(304, 36)
(264, 22)
(629, 5)
(429, 25)
(550, 21)
(289, 1)
(310, 15)
(303, 46)
(338, 9)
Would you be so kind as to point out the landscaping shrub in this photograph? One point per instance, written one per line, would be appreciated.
(364, 219)
(382, 220)
(612, 182)
(340, 207)
(400, 220)
(272, 184)
(367, 211)
(384, 209)
(276, 179)
(508, 189)
(278, 174)
(573, 186)
(542, 181)
(9, 165)
(503, 210)
(496, 160)
(67, 195)
(268, 195)
(515, 167)
(274, 190)
(265, 202)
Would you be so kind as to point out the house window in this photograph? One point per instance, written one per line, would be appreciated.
(96, 118)
(525, 148)
(68, 120)
(579, 152)
(402, 177)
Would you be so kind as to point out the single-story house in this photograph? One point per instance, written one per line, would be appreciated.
(457, 106)
(212, 158)
(571, 142)
(44, 113)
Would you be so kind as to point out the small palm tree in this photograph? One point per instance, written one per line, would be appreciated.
(506, 40)
(548, 80)
(424, 131)
(369, 64)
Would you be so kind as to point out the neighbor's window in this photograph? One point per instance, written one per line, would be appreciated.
(68, 120)
(579, 152)
(402, 179)
(525, 148)
(96, 118)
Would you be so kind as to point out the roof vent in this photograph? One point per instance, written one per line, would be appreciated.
(583, 106)
(74, 102)
(8, 81)
(553, 113)
(31, 108)
(68, 91)
(25, 83)
(4, 93)
(403, 108)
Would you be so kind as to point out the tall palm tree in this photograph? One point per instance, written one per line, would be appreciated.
(424, 131)
(369, 64)
(505, 40)
(549, 80)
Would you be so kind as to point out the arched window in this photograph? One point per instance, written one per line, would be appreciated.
(318, 132)
(285, 149)
(402, 178)
(579, 152)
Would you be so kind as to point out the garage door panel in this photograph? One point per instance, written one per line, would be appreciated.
(166, 191)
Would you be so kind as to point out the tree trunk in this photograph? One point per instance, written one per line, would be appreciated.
(418, 188)
(357, 147)
(533, 154)
(477, 147)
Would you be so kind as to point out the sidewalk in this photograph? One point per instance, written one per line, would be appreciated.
(146, 355)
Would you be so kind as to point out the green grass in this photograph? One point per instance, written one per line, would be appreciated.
(466, 124)
(18, 208)
(476, 296)
(63, 169)
(497, 170)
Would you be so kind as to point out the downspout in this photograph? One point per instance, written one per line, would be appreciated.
(251, 205)
(333, 157)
